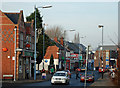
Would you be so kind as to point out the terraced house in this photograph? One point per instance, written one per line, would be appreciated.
(24, 45)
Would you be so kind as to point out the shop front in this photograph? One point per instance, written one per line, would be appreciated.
(67, 64)
(25, 65)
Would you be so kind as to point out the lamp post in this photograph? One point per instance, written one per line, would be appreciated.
(86, 65)
(101, 26)
(65, 49)
(44, 42)
(79, 47)
(15, 29)
(35, 40)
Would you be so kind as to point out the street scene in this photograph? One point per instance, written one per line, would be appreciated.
(59, 44)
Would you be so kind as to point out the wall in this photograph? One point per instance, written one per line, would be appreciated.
(56, 62)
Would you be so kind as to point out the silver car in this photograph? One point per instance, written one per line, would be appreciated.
(60, 77)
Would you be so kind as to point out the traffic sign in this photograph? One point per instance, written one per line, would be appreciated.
(80, 57)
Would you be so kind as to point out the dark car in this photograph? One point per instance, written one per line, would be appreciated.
(89, 77)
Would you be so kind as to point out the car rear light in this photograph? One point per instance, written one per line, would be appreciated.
(82, 77)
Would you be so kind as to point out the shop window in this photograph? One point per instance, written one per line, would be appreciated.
(20, 66)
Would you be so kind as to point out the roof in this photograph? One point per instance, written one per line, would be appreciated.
(14, 17)
(58, 45)
(51, 50)
(108, 47)
(75, 47)
(27, 24)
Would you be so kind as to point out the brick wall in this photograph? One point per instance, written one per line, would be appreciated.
(7, 42)
(98, 54)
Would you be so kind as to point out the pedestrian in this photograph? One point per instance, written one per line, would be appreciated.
(27, 73)
(77, 73)
(113, 75)
(52, 71)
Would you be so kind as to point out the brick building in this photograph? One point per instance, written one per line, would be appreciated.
(58, 53)
(108, 60)
(23, 54)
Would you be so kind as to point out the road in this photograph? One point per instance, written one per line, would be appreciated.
(73, 82)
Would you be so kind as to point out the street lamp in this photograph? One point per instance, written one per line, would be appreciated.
(44, 41)
(64, 47)
(35, 40)
(79, 47)
(101, 26)
(87, 53)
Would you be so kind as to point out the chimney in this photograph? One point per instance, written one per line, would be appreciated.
(61, 41)
(21, 11)
(55, 39)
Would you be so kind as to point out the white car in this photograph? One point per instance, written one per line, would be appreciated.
(60, 77)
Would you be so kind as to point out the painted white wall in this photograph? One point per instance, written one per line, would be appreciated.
(56, 62)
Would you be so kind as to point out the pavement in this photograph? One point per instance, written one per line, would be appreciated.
(30, 80)
(105, 82)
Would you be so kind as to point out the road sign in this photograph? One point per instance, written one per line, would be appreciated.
(80, 57)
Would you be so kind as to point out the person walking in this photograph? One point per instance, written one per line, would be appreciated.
(27, 73)
(113, 75)
(52, 71)
(77, 73)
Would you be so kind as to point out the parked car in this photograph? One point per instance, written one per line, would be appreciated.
(69, 73)
(89, 77)
(60, 77)
(82, 69)
(100, 69)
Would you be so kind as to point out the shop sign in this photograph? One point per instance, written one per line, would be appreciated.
(80, 57)
(29, 54)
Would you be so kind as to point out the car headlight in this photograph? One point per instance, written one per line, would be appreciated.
(53, 78)
(63, 78)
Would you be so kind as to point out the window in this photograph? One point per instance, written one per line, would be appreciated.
(20, 65)
(21, 40)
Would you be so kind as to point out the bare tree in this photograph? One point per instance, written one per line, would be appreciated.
(55, 31)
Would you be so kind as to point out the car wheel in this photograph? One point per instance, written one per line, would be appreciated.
(66, 82)
(52, 83)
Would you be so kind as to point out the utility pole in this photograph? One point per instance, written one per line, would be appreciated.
(101, 26)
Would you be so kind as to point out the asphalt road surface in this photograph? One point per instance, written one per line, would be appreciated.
(73, 82)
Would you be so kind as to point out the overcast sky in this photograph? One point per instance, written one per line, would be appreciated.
(84, 17)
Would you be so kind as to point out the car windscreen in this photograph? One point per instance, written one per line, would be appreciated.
(59, 74)
(90, 74)
(82, 67)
